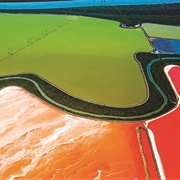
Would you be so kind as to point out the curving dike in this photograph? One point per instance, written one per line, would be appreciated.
(161, 96)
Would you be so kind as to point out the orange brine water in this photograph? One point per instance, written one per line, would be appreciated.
(38, 141)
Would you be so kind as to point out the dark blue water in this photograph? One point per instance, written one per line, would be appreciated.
(164, 45)
(78, 3)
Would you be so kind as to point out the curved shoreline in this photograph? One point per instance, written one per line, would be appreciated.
(150, 109)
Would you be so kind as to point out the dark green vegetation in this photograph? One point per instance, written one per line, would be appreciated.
(150, 109)
(131, 15)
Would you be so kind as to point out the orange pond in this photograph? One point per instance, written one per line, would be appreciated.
(39, 141)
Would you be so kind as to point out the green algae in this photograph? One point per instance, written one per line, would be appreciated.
(89, 58)
(163, 31)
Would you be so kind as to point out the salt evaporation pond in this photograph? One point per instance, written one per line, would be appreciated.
(163, 45)
(167, 127)
(38, 141)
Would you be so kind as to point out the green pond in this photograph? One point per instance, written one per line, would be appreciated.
(163, 31)
(89, 58)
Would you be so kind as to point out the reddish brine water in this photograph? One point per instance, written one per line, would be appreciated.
(166, 130)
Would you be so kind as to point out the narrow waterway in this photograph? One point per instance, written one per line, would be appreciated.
(78, 3)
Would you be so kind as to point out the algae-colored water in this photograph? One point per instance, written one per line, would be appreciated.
(89, 58)
(163, 31)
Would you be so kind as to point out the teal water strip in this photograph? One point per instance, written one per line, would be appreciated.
(77, 3)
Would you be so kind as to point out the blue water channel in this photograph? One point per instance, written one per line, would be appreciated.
(170, 46)
(78, 3)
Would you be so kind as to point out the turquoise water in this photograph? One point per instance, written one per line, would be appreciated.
(78, 3)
